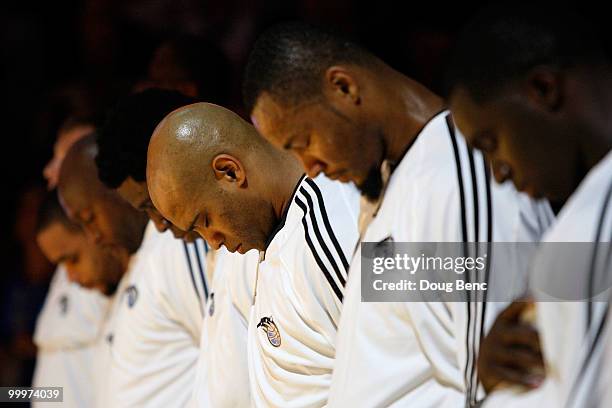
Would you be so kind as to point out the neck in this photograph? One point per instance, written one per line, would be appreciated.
(409, 107)
(287, 172)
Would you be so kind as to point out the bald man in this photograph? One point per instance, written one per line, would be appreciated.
(151, 341)
(209, 171)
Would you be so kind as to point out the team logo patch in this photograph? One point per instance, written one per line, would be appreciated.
(63, 305)
(211, 308)
(269, 327)
(132, 295)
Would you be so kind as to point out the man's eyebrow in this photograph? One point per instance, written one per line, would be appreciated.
(289, 142)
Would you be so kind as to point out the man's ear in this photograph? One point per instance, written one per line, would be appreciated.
(545, 88)
(339, 82)
(229, 169)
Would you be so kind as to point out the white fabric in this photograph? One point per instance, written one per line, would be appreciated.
(156, 327)
(223, 377)
(297, 305)
(414, 354)
(562, 325)
(67, 329)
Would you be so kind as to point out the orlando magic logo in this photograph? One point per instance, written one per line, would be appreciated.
(268, 325)
(132, 295)
(211, 308)
(63, 305)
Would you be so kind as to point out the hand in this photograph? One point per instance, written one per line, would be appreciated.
(510, 354)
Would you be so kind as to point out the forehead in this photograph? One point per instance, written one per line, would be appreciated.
(58, 240)
(469, 115)
(176, 204)
(71, 201)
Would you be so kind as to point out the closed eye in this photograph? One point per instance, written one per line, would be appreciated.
(297, 143)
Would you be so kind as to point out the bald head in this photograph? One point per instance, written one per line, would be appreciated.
(185, 143)
(78, 176)
(205, 162)
(108, 220)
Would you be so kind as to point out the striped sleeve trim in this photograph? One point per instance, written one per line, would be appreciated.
(195, 253)
(321, 242)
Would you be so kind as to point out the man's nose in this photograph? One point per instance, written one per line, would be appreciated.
(501, 171)
(313, 166)
(214, 239)
(161, 224)
(72, 273)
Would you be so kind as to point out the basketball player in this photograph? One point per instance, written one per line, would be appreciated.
(151, 341)
(72, 130)
(346, 113)
(121, 162)
(71, 320)
(210, 172)
(534, 96)
(122, 144)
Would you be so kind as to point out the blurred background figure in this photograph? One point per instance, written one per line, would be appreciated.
(71, 320)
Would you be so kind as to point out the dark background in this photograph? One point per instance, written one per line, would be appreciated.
(60, 58)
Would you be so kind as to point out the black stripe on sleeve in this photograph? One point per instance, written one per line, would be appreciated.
(453, 137)
(328, 227)
(328, 276)
(602, 216)
(201, 269)
(472, 330)
(320, 239)
(451, 131)
(195, 286)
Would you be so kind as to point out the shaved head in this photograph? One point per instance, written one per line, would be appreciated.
(209, 171)
(107, 219)
(78, 175)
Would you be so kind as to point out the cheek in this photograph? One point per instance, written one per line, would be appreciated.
(329, 146)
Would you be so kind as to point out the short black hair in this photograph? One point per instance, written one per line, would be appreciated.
(51, 212)
(124, 139)
(504, 41)
(289, 59)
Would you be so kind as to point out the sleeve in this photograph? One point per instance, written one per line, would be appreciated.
(515, 397)
(71, 317)
(175, 285)
(222, 377)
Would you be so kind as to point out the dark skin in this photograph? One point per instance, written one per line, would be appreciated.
(560, 115)
(88, 265)
(544, 131)
(511, 352)
(137, 195)
(208, 171)
(107, 219)
(364, 115)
